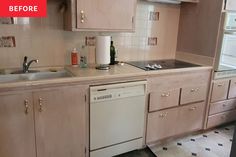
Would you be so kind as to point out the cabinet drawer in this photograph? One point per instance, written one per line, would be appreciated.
(221, 118)
(191, 117)
(193, 94)
(164, 99)
(161, 124)
(220, 90)
(232, 89)
(222, 106)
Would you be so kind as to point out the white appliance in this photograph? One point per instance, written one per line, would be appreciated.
(103, 44)
(227, 58)
(166, 1)
(117, 113)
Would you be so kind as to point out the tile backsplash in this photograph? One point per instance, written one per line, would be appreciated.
(155, 37)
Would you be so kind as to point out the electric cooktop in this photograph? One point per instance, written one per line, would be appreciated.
(161, 64)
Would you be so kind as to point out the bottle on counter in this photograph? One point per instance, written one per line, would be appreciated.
(74, 57)
(112, 54)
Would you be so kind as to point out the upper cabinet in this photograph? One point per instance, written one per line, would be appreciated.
(100, 15)
(230, 5)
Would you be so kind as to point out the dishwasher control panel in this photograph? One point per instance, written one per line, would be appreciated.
(108, 92)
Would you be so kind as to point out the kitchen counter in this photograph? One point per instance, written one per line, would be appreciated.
(91, 75)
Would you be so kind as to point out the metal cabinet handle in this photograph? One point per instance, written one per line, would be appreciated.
(220, 85)
(163, 115)
(165, 94)
(194, 90)
(40, 105)
(192, 108)
(26, 102)
(82, 16)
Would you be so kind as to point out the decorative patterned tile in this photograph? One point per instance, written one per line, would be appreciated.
(154, 15)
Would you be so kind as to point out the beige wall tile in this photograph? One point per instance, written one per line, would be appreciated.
(45, 39)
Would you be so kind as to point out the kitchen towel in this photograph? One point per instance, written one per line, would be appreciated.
(103, 50)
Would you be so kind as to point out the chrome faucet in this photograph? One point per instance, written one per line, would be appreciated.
(27, 65)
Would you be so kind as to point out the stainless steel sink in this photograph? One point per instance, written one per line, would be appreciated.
(36, 75)
(12, 78)
(48, 75)
(22, 72)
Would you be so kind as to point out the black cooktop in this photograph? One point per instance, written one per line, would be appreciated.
(161, 64)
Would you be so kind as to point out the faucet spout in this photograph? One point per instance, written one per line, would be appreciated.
(27, 65)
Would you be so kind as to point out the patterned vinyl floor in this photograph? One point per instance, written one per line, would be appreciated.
(214, 143)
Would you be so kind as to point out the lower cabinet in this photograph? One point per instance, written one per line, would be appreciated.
(49, 122)
(190, 118)
(222, 108)
(17, 138)
(161, 124)
(174, 121)
(221, 118)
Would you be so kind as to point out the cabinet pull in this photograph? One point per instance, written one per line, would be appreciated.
(165, 94)
(220, 85)
(26, 102)
(40, 105)
(163, 115)
(195, 90)
(224, 105)
(82, 16)
(192, 108)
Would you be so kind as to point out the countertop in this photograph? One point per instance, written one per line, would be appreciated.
(91, 74)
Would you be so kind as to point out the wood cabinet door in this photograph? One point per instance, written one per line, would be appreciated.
(106, 14)
(232, 89)
(190, 118)
(17, 138)
(230, 5)
(60, 122)
(161, 124)
(220, 90)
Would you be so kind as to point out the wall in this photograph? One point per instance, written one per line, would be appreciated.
(45, 39)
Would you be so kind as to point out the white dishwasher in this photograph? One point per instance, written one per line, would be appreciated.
(117, 113)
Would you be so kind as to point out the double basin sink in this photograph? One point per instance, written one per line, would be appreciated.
(7, 76)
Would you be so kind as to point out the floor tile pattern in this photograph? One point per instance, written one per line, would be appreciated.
(214, 143)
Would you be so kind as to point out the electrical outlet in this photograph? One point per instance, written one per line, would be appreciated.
(7, 41)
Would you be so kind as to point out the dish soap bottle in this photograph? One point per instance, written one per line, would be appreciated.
(112, 54)
(74, 57)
